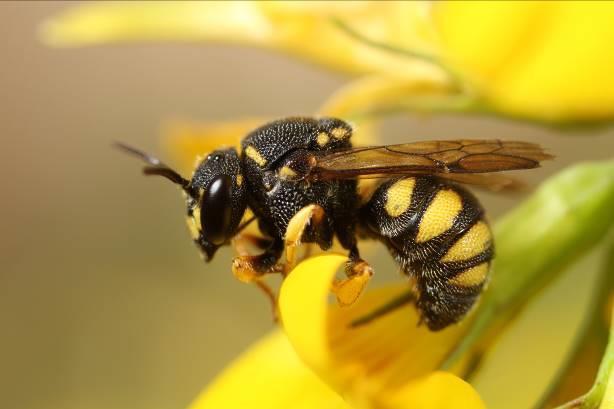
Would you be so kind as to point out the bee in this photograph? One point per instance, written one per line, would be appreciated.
(299, 177)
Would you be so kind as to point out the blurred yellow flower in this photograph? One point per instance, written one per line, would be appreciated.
(188, 142)
(545, 60)
(549, 60)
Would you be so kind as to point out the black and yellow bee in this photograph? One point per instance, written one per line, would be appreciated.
(307, 167)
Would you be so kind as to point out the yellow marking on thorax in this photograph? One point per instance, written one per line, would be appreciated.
(473, 242)
(254, 155)
(239, 180)
(322, 138)
(286, 172)
(398, 197)
(340, 133)
(439, 216)
(472, 276)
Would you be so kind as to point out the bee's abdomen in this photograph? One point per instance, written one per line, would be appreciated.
(437, 233)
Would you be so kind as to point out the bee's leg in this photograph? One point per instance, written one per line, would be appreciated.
(358, 274)
(312, 216)
(252, 269)
(270, 294)
(241, 242)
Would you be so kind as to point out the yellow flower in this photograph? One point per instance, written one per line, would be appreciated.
(389, 364)
(547, 60)
(544, 60)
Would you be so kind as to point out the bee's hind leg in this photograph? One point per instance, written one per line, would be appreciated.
(358, 274)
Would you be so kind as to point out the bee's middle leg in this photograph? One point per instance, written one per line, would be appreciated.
(358, 272)
(313, 217)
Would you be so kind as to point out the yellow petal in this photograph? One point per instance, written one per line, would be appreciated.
(389, 362)
(307, 29)
(547, 60)
(269, 375)
(376, 94)
(187, 141)
(104, 22)
(440, 390)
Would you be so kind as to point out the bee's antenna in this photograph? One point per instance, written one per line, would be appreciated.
(156, 166)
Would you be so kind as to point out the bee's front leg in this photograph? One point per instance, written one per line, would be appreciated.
(252, 269)
(248, 268)
(243, 241)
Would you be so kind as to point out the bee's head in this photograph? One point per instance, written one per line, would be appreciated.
(216, 196)
(216, 200)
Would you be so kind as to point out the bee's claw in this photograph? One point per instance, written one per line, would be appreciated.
(348, 290)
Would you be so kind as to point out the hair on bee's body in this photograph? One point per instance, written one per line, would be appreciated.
(298, 176)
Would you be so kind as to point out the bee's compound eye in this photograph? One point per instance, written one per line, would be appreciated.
(216, 210)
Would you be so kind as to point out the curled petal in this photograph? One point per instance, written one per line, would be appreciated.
(389, 362)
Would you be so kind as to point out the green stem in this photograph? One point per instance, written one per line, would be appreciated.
(594, 397)
(593, 334)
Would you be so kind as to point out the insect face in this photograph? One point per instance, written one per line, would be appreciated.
(216, 200)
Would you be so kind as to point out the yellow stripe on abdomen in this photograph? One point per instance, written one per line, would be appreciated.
(471, 277)
(472, 243)
(440, 215)
(398, 197)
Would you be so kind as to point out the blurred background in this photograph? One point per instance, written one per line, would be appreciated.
(104, 301)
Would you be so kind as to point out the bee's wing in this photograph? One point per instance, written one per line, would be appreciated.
(431, 157)
(493, 182)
